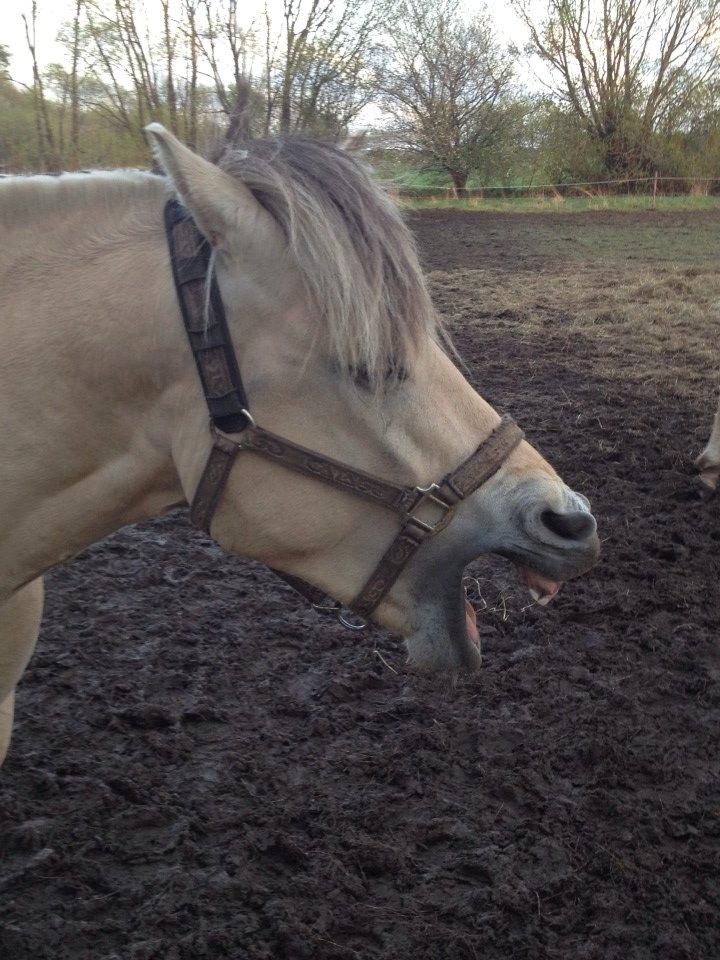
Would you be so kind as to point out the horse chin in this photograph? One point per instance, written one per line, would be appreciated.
(447, 642)
(431, 653)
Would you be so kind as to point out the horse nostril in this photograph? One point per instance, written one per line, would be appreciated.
(577, 525)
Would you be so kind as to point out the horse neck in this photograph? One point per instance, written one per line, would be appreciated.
(102, 384)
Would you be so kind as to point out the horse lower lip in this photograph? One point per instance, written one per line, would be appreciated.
(471, 623)
(541, 588)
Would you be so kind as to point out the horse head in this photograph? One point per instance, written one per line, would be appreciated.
(341, 351)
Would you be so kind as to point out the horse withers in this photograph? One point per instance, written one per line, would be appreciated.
(106, 423)
(708, 462)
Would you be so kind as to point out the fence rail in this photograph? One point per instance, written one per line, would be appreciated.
(654, 185)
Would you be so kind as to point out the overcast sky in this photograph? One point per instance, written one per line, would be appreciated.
(52, 13)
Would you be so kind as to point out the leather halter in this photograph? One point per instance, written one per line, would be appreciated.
(423, 511)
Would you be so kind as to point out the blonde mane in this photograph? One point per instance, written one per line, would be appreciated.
(352, 247)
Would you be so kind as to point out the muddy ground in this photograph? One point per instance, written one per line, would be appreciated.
(204, 768)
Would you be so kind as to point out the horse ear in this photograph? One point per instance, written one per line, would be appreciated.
(213, 197)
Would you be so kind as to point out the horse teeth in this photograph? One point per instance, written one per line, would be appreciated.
(542, 598)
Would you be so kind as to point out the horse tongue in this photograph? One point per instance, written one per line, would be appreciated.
(471, 623)
(541, 588)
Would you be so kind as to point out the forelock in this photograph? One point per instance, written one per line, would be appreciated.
(355, 253)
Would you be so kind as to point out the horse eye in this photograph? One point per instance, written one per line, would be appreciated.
(360, 376)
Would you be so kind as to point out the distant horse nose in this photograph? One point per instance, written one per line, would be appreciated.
(577, 525)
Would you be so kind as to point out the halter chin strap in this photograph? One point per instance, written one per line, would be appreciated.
(423, 511)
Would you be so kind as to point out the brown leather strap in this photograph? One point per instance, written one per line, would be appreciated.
(203, 314)
(487, 458)
(212, 482)
(333, 472)
(314, 595)
(479, 467)
(424, 511)
(208, 493)
(392, 564)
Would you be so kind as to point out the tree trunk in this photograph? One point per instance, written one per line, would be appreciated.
(170, 94)
(239, 126)
(285, 103)
(74, 95)
(46, 138)
(192, 122)
(459, 179)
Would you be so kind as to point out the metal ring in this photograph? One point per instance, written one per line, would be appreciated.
(352, 626)
(249, 417)
(326, 607)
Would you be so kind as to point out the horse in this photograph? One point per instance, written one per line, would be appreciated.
(105, 420)
(709, 460)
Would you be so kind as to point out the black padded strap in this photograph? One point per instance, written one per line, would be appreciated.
(204, 320)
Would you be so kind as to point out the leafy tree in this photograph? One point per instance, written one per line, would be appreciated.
(625, 67)
(446, 85)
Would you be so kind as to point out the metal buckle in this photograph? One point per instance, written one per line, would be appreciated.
(428, 496)
(216, 432)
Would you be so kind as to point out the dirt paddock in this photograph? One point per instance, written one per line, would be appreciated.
(204, 768)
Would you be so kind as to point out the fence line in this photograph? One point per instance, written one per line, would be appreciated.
(448, 191)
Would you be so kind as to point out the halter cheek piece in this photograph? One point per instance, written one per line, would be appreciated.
(423, 511)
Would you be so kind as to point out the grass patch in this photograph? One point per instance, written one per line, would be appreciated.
(649, 323)
(558, 204)
(633, 298)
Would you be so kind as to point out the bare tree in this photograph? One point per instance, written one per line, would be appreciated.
(623, 65)
(121, 51)
(109, 64)
(138, 58)
(190, 10)
(444, 84)
(169, 42)
(103, 64)
(140, 75)
(223, 39)
(45, 135)
(64, 81)
(74, 97)
(317, 63)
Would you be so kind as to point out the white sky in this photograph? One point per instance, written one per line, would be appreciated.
(52, 13)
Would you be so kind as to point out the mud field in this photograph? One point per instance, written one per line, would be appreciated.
(204, 768)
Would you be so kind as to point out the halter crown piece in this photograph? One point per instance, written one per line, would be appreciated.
(423, 511)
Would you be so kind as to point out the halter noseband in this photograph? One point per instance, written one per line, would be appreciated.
(423, 511)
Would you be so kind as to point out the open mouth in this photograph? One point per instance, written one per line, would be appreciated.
(542, 590)
(471, 623)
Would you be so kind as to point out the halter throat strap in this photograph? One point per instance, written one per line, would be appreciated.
(423, 511)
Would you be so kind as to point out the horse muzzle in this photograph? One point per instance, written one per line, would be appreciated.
(553, 544)
(551, 536)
